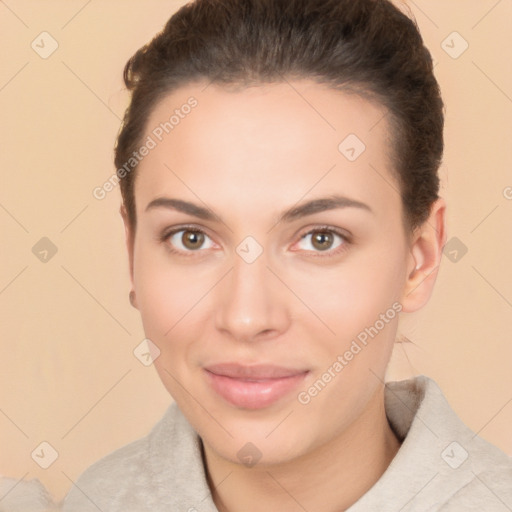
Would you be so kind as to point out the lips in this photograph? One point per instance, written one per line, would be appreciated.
(253, 386)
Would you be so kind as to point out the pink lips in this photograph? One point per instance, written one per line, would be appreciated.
(253, 387)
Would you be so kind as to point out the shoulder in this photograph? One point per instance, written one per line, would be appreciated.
(488, 476)
(471, 473)
(442, 465)
(489, 490)
(19, 496)
(111, 478)
(126, 479)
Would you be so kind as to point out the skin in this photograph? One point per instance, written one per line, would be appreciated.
(248, 155)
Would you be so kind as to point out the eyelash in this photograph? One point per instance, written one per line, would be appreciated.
(322, 229)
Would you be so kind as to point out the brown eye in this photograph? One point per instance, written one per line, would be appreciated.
(322, 240)
(325, 240)
(188, 240)
(192, 239)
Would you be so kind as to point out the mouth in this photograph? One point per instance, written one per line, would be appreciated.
(254, 386)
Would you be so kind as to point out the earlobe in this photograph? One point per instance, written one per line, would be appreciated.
(425, 257)
(133, 299)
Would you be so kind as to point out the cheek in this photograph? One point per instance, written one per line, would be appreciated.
(351, 296)
(167, 294)
(359, 301)
(169, 301)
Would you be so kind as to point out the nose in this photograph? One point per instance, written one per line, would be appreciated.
(251, 302)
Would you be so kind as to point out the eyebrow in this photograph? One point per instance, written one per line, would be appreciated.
(294, 213)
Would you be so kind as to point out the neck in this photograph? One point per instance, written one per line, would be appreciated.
(330, 479)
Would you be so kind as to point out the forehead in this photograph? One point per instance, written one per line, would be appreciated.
(289, 137)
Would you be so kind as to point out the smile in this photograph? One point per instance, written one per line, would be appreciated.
(253, 387)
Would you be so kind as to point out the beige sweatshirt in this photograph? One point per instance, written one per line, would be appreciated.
(441, 466)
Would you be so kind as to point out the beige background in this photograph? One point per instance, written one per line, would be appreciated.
(68, 373)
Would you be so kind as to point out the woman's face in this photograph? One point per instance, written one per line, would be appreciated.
(269, 262)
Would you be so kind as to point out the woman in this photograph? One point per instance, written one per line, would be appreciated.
(278, 167)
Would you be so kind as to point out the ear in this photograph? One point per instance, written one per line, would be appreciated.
(424, 258)
(130, 241)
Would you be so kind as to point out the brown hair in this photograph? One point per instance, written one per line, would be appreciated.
(365, 46)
